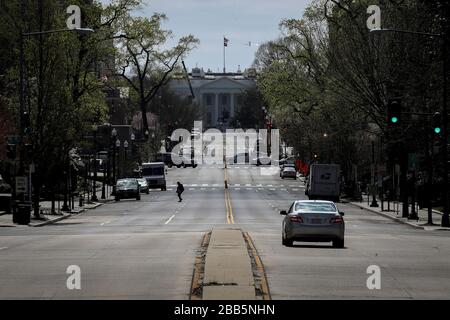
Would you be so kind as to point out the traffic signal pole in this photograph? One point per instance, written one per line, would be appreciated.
(445, 217)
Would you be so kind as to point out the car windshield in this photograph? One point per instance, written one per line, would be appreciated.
(142, 181)
(126, 183)
(159, 171)
(289, 169)
(316, 207)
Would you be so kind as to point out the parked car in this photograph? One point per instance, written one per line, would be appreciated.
(186, 161)
(289, 160)
(127, 189)
(263, 159)
(285, 166)
(143, 185)
(313, 220)
(288, 172)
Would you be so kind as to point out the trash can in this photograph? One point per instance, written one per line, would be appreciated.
(22, 214)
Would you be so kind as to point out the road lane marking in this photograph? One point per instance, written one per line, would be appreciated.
(107, 222)
(3, 248)
(170, 219)
(228, 208)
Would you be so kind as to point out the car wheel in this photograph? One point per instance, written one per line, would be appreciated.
(282, 178)
(138, 198)
(286, 242)
(178, 165)
(117, 198)
(147, 192)
(169, 165)
(339, 243)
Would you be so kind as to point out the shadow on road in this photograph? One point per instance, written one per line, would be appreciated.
(312, 246)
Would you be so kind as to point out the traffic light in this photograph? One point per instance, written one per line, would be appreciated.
(11, 151)
(437, 123)
(394, 111)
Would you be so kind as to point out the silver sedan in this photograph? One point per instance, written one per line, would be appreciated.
(313, 220)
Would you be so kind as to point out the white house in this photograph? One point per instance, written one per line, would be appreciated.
(219, 95)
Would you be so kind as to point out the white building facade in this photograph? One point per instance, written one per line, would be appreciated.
(219, 95)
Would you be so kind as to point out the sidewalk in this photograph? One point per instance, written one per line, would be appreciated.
(47, 217)
(395, 213)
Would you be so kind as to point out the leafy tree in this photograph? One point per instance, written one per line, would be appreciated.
(142, 61)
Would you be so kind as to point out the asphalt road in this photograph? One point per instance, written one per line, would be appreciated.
(146, 249)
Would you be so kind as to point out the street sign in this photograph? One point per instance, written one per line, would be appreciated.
(21, 184)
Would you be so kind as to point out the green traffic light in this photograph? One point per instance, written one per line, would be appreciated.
(394, 119)
(437, 130)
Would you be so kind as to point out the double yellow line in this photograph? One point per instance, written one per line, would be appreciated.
(229, 209)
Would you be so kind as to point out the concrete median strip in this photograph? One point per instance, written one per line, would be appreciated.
(225, 270)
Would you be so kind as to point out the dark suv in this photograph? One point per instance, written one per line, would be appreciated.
(127, 189)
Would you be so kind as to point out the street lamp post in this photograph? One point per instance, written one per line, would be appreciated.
(125, 146)
(94, 180)
(374, 198)
(118, 160)
(445, 222)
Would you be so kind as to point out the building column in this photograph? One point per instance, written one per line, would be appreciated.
(232, 96)
(216, 109)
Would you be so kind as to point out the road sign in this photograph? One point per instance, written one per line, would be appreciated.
(21, 184)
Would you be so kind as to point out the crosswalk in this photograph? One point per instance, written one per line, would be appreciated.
(236, 186)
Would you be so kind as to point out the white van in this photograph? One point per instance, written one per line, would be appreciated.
(323, 182)
(154, 173)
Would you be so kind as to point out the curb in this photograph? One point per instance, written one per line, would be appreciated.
(67, 215)
(387, 216)
(50, 221)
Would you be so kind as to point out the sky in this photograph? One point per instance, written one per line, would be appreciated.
(240, 21)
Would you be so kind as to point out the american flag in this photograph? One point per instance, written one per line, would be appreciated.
(225, 42)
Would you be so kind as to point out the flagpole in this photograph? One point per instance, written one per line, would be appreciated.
(224, 54)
